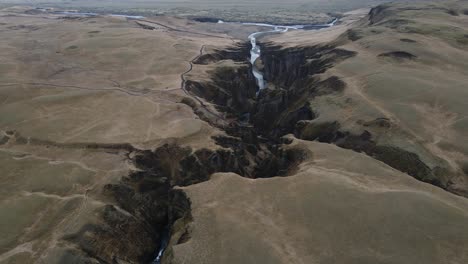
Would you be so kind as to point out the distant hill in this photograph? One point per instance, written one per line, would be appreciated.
(300, 5)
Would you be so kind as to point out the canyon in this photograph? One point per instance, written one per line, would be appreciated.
(174, 152)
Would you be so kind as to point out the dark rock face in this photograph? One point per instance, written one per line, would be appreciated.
(323, 132)
(405, 161)
(257, 159)
(143, 26)
(465, 168)
(398, 55)
(452, 12)
(232, 89)
(275, 106)
(292, 73)
(4, 139)
(285, 108)
(408, 40)
(354, 34)
(295, 66)
(379, 122)
(239, 53)
(206, 19)
(378, 13)
(395, 157)
(147, 205)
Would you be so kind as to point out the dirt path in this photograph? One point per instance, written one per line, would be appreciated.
(182, 76)
(182, 30)
(78, 87)
(184, 84)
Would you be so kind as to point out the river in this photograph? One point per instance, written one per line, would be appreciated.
(88, 14)
(255, 52)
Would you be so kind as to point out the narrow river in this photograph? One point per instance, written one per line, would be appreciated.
(255, 52)
(88, 14)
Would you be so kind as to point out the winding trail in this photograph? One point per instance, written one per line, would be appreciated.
(181, 30)
(183, 85)
(182, 76)
(115, 89)
(122, 90)
(77, 87)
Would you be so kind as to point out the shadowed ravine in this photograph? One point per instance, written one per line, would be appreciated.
(154, 215)
(255, 52)
(150, 211)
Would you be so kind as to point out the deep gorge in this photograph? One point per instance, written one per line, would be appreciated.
(149, 206)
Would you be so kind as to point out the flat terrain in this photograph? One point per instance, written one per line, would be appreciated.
(99, 79)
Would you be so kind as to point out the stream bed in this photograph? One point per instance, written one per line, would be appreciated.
(255, 52)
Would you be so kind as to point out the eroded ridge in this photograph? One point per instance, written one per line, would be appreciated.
(253, 144)
(149, 205)
(296, 79)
